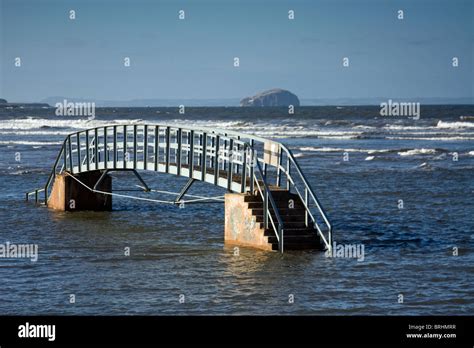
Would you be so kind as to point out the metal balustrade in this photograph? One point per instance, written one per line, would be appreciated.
(235, 161)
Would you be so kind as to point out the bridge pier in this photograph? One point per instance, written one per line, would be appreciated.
(69, 194)
(241, 227)
(244, 222)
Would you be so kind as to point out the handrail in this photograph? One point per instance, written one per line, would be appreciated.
(267, 197)
(327, 241)
(53, 171)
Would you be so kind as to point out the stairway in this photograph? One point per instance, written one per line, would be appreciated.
(296, 235)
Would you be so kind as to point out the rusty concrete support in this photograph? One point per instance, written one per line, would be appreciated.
(69, 195)
(241, 227)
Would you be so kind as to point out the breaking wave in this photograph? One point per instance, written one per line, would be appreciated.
(415, 152)
(455, 125)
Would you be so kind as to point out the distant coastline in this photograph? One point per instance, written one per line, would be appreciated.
(5, 104)
(230, 102)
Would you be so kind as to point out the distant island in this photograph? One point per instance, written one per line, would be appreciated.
(5, 104)
(272, 97)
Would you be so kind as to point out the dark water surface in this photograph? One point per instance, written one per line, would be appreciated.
(177, 251)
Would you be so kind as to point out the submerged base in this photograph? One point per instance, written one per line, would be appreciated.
(69, 195)
(241, 227)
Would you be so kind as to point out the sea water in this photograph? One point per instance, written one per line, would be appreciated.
(401, 188)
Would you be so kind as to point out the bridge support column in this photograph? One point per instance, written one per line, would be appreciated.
(241, 226)
(70, 195)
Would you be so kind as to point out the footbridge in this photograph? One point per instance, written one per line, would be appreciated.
(269, 203)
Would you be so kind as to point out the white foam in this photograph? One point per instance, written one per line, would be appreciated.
(431, 139)
(415, 152)
(337, 149)
(399, 127)
(45, 126)
(369, 158)
(363, 127)
(33, 143)
(33, 132)
(471, 153)
(455, 125)
(329, 149)
(378, 151)
(73, 123)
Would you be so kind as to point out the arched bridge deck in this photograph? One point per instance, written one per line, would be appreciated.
(238, 162)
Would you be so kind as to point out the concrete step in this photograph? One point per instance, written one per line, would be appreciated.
(278, 196)
(306, 239)
(285, 218)
(280, 204)
(299, 246)
(293, 232)
(251, 198)
(282, 211)
(289, 224)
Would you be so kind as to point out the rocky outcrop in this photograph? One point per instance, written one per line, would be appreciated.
(3, 101)
(272, 97)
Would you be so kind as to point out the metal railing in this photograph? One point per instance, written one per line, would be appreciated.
(269, 205)
(236, 161)
(313, 207)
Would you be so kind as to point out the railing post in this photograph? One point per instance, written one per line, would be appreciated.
(230, 168)
(145, 147)
(200, 157)
(125, 147)
(157, 144)
(203, 156)
(216, 160)
(238, 150)
(288, 173)
(70, 152)
(224, 163)
(178, 153)
(64, 156)
(252, 165)
(191, 153)
(278, 179)
(306, 206)
(96, 149)
(168, 131)
(115, 147)
(134, 146)
(265, 208)
(244, 171)
(87, 149)
(78, 152)
(106, 150)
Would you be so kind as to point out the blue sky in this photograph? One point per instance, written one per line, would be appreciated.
(193, 58)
